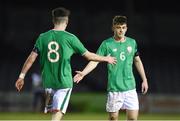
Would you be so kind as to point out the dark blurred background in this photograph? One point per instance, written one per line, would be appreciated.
(153, 23)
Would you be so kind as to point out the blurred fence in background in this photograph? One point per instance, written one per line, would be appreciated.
(91, 102)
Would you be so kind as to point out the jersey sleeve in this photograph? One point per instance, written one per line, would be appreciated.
(102, 50)
(35, 49)
(37, 46)
(136, 50)
(78, 46)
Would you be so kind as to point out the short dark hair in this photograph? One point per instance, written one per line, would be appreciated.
(59, 14)
(119, 20)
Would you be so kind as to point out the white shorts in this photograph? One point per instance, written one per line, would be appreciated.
(122, 100)
(61, 100)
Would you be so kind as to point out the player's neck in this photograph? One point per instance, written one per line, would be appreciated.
(120, 39)
(60, 27)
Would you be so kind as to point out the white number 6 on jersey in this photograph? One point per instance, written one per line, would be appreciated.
(122, 56)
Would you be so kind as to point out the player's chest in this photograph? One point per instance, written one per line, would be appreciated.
(121, 50)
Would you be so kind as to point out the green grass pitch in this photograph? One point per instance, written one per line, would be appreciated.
(81, 116)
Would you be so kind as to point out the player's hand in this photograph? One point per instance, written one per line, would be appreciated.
(78, 77)
(111, 60)
(19, 84)
(144, 87)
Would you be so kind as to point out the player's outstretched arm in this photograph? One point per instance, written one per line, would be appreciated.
(80, 74)
(27, 65)
(94, 57)
(140, 69)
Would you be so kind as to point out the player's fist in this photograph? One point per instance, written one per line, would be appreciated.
(19, 84)
(144, 87)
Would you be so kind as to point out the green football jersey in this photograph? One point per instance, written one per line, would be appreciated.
(55, 49)
(120, 75)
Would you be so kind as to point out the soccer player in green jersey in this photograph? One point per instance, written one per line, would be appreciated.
(121, 82)
(55, 48)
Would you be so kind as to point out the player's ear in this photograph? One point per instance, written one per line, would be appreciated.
(112, 28)
(126, 28)
(67, 21)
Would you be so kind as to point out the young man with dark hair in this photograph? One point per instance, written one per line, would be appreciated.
(121, 82)
(55, 48)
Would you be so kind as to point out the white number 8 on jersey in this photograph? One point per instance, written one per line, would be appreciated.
(53, 50)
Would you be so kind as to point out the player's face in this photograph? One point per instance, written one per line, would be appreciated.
(119, 30)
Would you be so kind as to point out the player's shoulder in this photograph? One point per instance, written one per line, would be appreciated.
(65, 33)
(44, 34)
(108, 40)
(130, 39)
(68, 33)
(71, 35)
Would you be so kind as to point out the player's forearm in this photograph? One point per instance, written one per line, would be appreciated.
(28, 63)
(140, 69)
(90, 66)
(94, 57)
